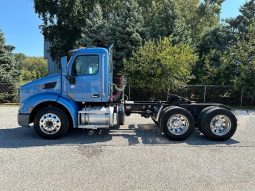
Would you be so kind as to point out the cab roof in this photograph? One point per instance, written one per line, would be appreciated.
(89, 50)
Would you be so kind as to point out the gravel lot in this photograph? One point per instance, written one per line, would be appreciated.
(134, 157)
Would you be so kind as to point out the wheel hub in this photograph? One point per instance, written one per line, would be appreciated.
(50, 123)
(178, 124)
(220, 125)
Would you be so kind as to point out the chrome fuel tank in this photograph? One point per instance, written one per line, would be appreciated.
(96, 117)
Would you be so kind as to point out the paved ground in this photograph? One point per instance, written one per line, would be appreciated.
(135, 157)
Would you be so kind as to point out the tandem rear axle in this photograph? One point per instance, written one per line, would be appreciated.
(178, 120)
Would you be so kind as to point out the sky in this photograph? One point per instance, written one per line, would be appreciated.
(20, 24)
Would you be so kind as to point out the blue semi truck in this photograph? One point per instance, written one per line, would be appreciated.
(82, 97)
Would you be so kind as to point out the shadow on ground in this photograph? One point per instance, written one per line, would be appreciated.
(147, 134)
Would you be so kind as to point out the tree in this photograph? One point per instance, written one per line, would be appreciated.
(62, 21)
(9, 72)
(240, 25)
(167, 17)
(95, 31)
(31, 68)
(211, 48)
(126, 26)
(163, 21)
(123, 28)
(185, 12)
(161, 65)
(206, 18)
(66, 22)
(239, 64)
(219, 43)
(211, 38)
(187, 21)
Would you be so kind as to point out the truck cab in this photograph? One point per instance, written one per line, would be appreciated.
(88, 76)
(80, 95)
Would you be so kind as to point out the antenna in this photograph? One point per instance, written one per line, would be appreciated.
(110, 51)
(110, 47)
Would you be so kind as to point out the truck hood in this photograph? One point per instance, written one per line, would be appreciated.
(49, 84)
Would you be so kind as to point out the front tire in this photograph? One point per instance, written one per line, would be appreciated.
(218, 124)
(51, 123)
(177, 123)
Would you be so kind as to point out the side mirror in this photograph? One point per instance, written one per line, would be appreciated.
(70, 78)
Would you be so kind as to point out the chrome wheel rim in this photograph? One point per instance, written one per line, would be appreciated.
(220, 125)
(50, 123)
(178, 124)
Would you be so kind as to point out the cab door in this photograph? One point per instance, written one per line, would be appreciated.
(86, 71)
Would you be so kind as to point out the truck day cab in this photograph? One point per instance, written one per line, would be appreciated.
(81, 97)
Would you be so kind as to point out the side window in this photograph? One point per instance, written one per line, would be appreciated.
(86, 65)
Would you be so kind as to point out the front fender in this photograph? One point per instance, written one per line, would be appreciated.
(30, 103)
(72, 108)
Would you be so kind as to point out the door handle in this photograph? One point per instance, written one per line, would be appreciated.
(95, 96)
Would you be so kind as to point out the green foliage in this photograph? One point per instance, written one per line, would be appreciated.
(65, 22)
(240, 25)
(214, 43)
(217, 46)
(31, 67)
(126, 26)
(163, 21)
(16, 69)
(95, 29)
(123, 29)
(205, 19)
(161, 65)
(144, 23)
(239, 63)
(9, 73)
(62, 21)
(226, 53)
(8, 67)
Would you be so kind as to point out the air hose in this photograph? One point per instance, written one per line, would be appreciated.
(119, 88)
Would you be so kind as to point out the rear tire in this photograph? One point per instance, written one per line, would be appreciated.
(120, 114)
(177, 123)
(201, 115)
(218, 124)
(51, 123)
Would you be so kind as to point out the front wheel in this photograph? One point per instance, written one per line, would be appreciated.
(177, 123)
(218, 124)
(51, 123)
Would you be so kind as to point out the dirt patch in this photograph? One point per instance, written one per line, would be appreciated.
(90, 151)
